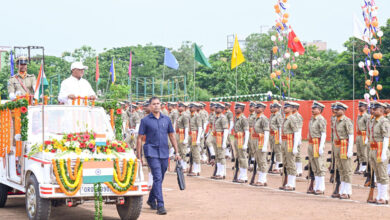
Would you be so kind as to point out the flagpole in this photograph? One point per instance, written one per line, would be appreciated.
(194, 78)
(162, 82)
(43, 97)
(353, 82)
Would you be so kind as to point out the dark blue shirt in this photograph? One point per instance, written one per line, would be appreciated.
(156, 131)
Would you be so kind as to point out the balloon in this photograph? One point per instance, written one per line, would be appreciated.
(275, 49)
(273, 75)
(380, 33)
(278, 72)
(366, 50)
(274, 62)
(371, 73)
(372, 92)
(280, 38)
(296, 39)
(280, 60)
(368, 82)
(294, 66)
(273, 38)
(379, 87)
(374, 41)
(368, 63)
(284, 20)
(286, 15)
(375, 23)
(296, 54)
(375, 56)
(277, 10)
(269, 93)
(288, 66)
(366, 96)
(361, 64)
(380, 55)
(287, 55)
(284, 1)
(375, 73)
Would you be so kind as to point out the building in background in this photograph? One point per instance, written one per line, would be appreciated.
(3, 54)
(321, 45)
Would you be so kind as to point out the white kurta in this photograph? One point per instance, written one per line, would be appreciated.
(73, 86)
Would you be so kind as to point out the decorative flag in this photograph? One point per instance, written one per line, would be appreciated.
(112, 71)
(100, 140)
(38, 86)
(130, 65)
(97, 70)
(12, 64)
(358, 30)
(98, 172)
(237, 56)
(170, 60)
(294, 43)
(199, 56)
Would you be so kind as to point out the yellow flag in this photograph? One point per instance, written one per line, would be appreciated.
(237, 56)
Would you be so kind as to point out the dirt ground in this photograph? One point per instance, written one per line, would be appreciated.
(210, 199)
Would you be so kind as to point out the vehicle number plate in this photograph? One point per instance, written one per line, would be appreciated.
(88, 189)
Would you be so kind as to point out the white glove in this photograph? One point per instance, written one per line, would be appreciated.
(265, 145)
(12, 96)
(296, 142)
(322, 143)
(384, 150)
(246, 139)
(300, 137)
(211, 149)
(225, 136)
(280, 135)
(231, 127)
(204, 127)
(185, 141)
(350, 146)
(136, 129)
(199, 135)
(174, 127)
(366, 142)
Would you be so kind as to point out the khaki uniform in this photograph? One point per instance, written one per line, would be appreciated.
(209, 139)
(276, 121)
(173, 115)
(14, 86)
(195, 123)
(229, 116)
(140, 113)
(182, 123)
(343, 128)
(380, 129)
(261, 125)
(133, 121)
(240, 126)
(164, 111)
(317, 126)
(299, 121)
(252, 140)
(289, 127)
(220, 124)
(204, 116)
(361, 147)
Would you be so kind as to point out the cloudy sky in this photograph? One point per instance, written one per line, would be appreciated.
(65, 25)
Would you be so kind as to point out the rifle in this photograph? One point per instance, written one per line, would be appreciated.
(370, 198)
(311, 177)
(332, 168)
(272, 161)
(191, 162)
(236, 166)
(284, 176)
(368, 176)
(254, 173)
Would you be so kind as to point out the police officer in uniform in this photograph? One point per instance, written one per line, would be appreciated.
(317, 138)
(361, 147)
(230, 117)
(209, 138)
(261, 137)
(182, 132)
(133, 124)
(299, 120)
(204, 116)
(251, 122)
(194, 141)
(289, 147)
(379, 143)
(276, 121)
(343, 134)
(173, 115)
(219, 140)
(241, 138)
(21, 83)
(163, 109)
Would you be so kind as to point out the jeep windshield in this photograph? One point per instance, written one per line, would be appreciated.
(60, 120)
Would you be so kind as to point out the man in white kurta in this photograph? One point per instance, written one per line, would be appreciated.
(75, 86)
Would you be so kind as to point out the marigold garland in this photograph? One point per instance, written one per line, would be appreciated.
(121, 175)
(72, 175)
(61, 184)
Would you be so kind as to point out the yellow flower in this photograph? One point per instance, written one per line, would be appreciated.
(98, 150)
(78, 151)
(108, 151)
(41, 148)
(46, 150)
(86, 159)
(92, 142)
(108, 159)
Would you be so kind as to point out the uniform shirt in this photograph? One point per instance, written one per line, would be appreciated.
(173, 115)
(317, 126)
(299, 120)
(241, 123)
(203, 115)
(332, 125)
(211, 120)
(388, 116)
(220, 123)
(229, 115)
(261, 124)
(134, 119)
(252, 120)
(344, 128)
(362, 120)
(195, 121)
(276, 121)
(183, 121)
(164, 111)
(28, 81)
(289, 124)
(380, 129)
(76, 87)
(140, 113)
(156, 132)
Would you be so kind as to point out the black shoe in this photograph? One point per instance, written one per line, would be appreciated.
(152, 205)
(161, 211)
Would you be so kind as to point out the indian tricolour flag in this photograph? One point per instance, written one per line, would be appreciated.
(98, 172)
(100, 140)
(38, 86)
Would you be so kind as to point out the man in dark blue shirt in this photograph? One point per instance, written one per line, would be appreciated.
(156, 127)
